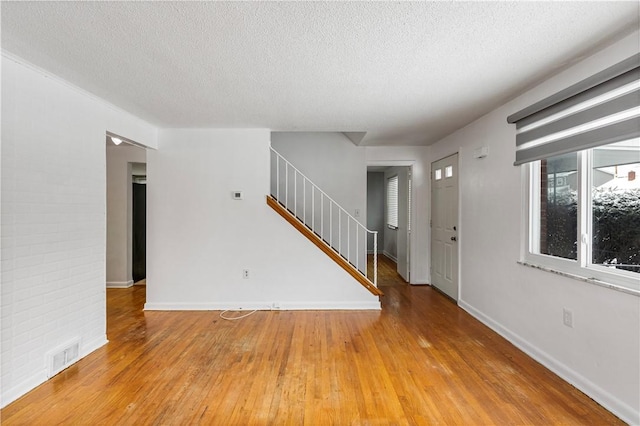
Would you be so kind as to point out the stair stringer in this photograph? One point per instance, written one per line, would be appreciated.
(315, 239)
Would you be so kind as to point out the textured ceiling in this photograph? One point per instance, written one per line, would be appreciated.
(405, 73)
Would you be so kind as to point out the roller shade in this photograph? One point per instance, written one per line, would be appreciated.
(600, 110)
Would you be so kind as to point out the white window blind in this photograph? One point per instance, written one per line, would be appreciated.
(600, 110)
(392, 202)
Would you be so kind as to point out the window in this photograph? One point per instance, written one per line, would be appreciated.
(585, 212)
(392, 202)
(448, 171)
(582, 150)
(615, 206)
(555, 208)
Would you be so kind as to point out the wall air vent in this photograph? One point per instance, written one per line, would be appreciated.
(62, 357)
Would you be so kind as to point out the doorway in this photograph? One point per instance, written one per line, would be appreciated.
(444, 225)
(388, 212)
(139, 223)
(124, 162)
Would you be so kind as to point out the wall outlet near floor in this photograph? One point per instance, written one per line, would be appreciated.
(567, 317)
(245, 274)
(275, 306)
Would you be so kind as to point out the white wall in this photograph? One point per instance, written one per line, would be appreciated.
(199, 239)
(375, 208)
(332, 162)
(419, 159)
(600, 353)
(53, 219)
(336, 166)
(119, 212)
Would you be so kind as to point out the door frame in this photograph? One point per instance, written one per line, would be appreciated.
(127, 230)
(410, 234)
(135, 201)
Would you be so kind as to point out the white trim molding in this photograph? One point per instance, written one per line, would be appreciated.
(601, 396)
(119, 284)
(10, 395)
(262, 306)
(387, 254)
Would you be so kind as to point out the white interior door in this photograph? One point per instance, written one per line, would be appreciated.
(403, 223)
(444, 226)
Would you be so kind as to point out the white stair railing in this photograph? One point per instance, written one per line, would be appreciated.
(326, 218)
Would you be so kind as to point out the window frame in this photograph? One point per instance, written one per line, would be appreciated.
(582, 268)
(387, 204)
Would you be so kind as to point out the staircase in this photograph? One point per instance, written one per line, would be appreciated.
(324, 222)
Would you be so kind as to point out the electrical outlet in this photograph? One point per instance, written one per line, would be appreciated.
(567, 317)
(245, 274)
(275, 306)
(357, 213)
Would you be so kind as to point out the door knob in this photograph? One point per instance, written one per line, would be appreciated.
(454, 239)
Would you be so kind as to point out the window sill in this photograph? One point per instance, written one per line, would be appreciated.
(593, 281)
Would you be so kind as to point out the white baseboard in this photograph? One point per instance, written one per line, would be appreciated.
(119, 284)
(89, 347)
(10, 395)
(261, 306)
(601, 396)
(390, 256)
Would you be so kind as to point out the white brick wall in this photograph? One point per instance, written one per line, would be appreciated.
(53, 220)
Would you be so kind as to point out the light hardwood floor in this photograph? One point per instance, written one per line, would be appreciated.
(421, 360)
(387, 272)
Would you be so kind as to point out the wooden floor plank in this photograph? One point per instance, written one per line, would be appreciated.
(421, 360)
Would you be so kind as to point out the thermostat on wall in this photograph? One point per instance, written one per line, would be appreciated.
(236, 195)
(481, 152)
